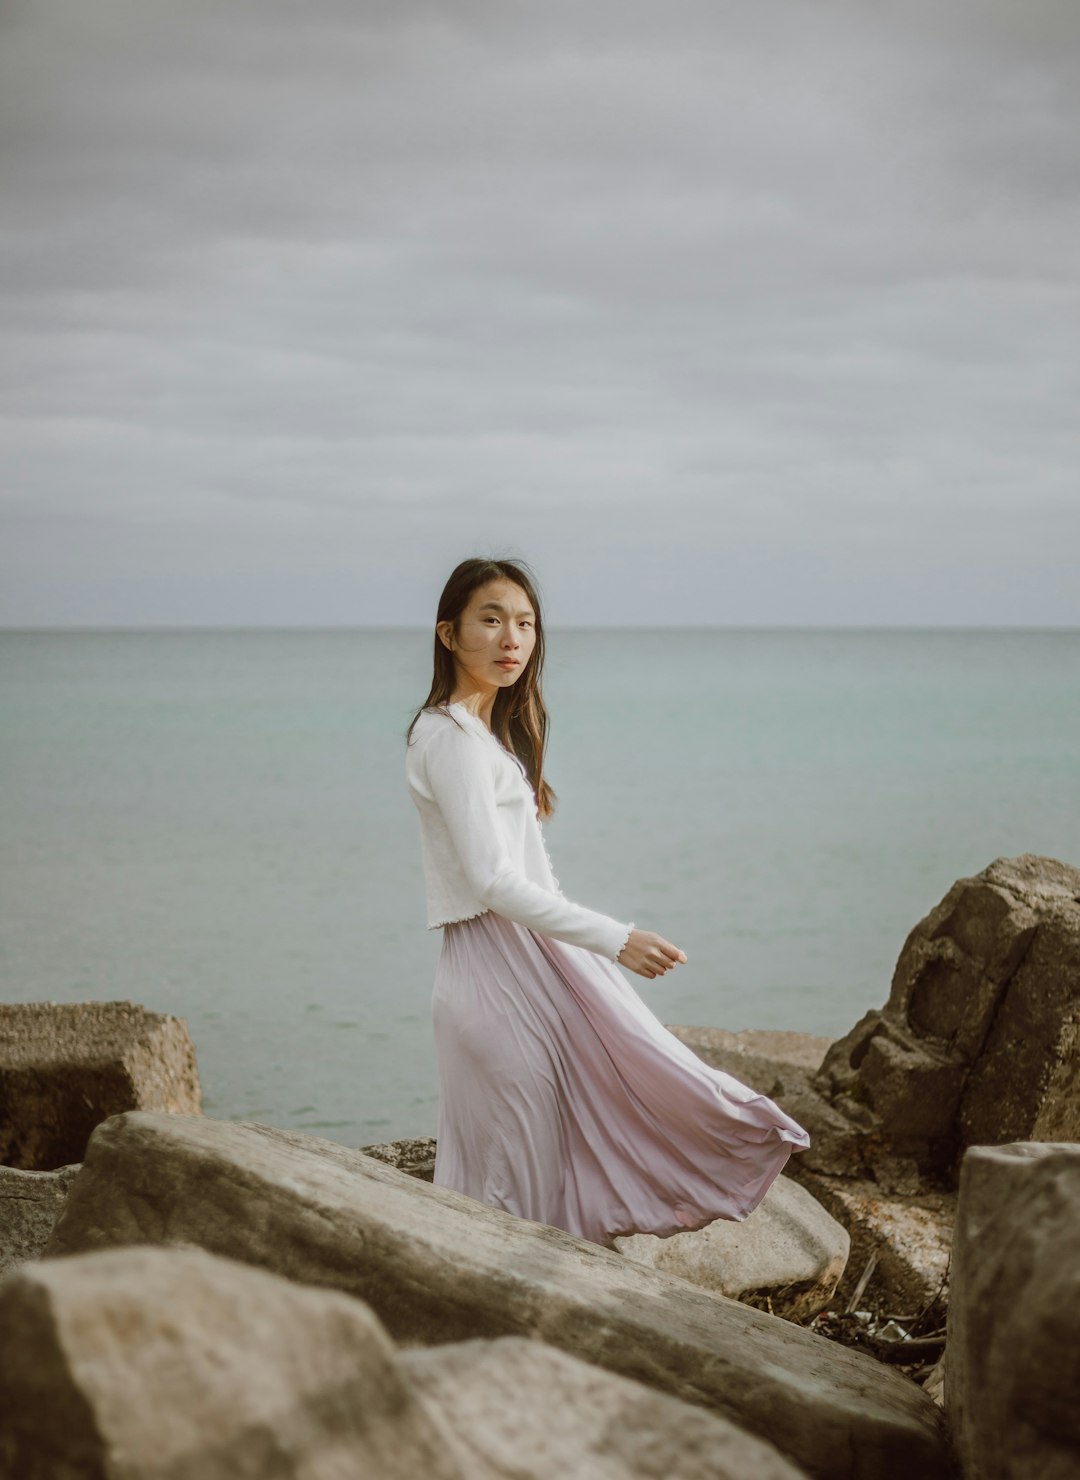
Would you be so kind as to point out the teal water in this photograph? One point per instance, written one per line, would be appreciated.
(215, 824)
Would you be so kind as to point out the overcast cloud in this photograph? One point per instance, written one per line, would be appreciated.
(716, 313)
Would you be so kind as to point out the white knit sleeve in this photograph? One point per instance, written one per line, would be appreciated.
(457, 764)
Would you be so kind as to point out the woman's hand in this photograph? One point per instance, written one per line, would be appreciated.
(649, 954)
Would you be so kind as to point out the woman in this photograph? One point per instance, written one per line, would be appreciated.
(563, 1099)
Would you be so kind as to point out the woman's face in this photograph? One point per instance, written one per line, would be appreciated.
(496, 636)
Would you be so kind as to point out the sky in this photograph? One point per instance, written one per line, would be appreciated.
(716, 314)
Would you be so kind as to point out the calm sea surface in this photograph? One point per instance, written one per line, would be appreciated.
(215, 824)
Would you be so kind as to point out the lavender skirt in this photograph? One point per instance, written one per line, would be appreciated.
(565, 1100)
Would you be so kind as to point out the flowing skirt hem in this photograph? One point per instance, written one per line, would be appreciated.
(565, 1100)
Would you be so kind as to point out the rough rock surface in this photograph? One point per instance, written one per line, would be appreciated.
(1013, 1354)
(438, 1266)
(979, 1042)
(910, 1234)
(415, 1155)
(30, 1203)
(499, 1398)
(787, 1257)
(764, 1051)
(64, 1067)
(176, 1365)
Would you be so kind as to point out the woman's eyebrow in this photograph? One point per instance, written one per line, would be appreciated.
(528, 612)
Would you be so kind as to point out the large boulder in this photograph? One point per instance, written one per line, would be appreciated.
(979, 1042)
(65, 1067)
(437, 1266)
(1013, 1375)
(499, 1397)
(787, 1257)
(30, 1203)
(157, 1364)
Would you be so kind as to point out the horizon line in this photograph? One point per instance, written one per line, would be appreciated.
(143, 628)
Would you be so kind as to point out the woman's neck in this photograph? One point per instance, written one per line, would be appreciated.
(477, 704)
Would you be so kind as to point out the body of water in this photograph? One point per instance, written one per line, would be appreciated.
(215, 824)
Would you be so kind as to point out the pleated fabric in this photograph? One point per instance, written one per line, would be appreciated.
(565, 1100)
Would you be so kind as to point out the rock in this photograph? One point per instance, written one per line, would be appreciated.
(911, 1235)
(415, 1155)
(499, 1397)
(979, 1042)
(65, 1067)
(437, 1266)
(172, 1363)
(1012, 1350)
(178, 1365)
(763, 1051)
(30, 1203)
(787, 1257)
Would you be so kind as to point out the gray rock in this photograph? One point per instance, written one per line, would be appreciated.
(499, 1397)
(1012, 1349)
(65, 1067)
(30, 1203)
(787, 1257)
(438, 1266)
(979, 1042)
(154, 1364)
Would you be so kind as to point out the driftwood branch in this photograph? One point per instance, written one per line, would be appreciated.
(916, 1349)
(864, 1280)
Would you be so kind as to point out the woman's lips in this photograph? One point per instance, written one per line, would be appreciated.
(506, 662)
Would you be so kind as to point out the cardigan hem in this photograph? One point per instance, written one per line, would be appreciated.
(458, 919)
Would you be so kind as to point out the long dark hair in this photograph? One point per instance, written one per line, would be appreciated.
(519, 718)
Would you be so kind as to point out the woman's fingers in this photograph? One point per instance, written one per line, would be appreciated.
(670, 955)
(651, 955)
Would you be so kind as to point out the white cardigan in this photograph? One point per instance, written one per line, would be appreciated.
(480, 835)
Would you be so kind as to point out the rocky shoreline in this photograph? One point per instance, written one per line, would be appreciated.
(209, 1299)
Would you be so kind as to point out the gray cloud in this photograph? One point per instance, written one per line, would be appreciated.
(717, 313)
